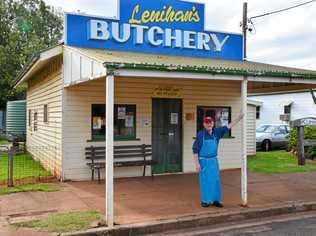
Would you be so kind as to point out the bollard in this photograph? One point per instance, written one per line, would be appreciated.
(10, 166)
(300, 146)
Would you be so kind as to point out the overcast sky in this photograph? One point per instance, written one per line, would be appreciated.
(288, 38)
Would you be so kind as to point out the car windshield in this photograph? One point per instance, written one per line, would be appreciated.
(265, 129)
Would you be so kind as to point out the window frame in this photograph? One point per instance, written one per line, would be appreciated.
(30, 118)
(258, 112)
(289, 109)
(229, 134)
(116, 137)
(45, 113)
(35, 125)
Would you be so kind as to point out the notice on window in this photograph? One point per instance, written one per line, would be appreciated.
(97, 122)
(129, 121)
(174, 118)
(121, 113)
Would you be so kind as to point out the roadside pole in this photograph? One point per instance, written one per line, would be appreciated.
(244, 88)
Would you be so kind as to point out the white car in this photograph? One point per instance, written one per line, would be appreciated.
(272, 136)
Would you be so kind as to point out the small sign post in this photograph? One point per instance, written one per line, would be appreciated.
(299, 125)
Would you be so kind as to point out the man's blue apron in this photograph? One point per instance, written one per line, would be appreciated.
(210, 184)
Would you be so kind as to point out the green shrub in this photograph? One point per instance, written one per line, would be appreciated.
(309, 133)
(311, 152)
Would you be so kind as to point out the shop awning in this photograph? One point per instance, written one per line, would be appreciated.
(129, 60)
(91, 64)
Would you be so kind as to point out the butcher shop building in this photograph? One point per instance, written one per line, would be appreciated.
(145, 79)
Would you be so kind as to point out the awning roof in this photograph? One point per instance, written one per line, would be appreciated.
(37, 62)
(143, 61)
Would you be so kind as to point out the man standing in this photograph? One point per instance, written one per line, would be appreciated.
(205, 155)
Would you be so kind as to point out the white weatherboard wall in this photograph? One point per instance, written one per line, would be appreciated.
(272, 107)
(45, 143)
(77, 119)
(251, 130)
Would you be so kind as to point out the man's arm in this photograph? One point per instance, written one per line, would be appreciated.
(196, 149)
(235, 122)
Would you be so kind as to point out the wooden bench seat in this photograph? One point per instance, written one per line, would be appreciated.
(124, 156)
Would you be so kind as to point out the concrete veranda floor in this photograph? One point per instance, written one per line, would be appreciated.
(170, 196)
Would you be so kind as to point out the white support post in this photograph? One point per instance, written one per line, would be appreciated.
(109, 140)
(244, 181)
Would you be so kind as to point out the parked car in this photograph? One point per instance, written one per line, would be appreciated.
(270, 137)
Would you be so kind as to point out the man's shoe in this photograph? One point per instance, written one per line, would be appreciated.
(203, 204)
(218, 204)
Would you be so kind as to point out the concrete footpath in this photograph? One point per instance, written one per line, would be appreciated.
(171, 200)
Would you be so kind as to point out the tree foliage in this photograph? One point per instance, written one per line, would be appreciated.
(26, 27)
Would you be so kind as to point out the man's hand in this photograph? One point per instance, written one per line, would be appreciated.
(197, 167)
(235, 122)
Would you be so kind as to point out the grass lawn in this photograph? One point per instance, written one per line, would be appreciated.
(276, 162)
(30, 188)
(3, 141)
(24, 167)
(63, 222)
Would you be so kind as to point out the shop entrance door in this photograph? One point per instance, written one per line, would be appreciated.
(167, 135)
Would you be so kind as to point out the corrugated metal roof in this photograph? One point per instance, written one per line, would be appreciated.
(120, 57)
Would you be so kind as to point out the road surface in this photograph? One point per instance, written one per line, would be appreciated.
(303, 224)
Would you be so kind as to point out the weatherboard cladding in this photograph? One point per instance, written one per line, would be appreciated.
(139, 91)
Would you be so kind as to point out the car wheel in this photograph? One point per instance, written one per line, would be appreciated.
(266, 145)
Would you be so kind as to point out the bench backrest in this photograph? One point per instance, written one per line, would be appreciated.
(127, 151)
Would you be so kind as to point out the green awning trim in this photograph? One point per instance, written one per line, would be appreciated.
(207, 70)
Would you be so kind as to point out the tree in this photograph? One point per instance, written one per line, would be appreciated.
(26, 27)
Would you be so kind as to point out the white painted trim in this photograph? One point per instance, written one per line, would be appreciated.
(244, 177)
(26, 76)
(281, 80)
(173, 75)
(55, 51)
(77, 50)
(85, 80)
(280, 92)
(44, 56)
(109, 141)
(255, 103)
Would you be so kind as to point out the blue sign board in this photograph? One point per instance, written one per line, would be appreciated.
(171, 27)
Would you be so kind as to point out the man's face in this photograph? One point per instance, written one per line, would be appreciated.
(208, 126)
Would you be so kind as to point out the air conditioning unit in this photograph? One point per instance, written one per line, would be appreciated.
(285, 117)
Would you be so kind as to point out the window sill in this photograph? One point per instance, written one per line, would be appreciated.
(115, 140)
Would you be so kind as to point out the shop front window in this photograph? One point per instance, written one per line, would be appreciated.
(221, 115)
(124, 122)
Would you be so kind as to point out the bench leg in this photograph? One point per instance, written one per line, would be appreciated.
(92, 174)
(144, 171)
(99, 179)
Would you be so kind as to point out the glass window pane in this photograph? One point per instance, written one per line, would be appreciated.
(124, 121)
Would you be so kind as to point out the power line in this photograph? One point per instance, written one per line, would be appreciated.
(285, 9)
